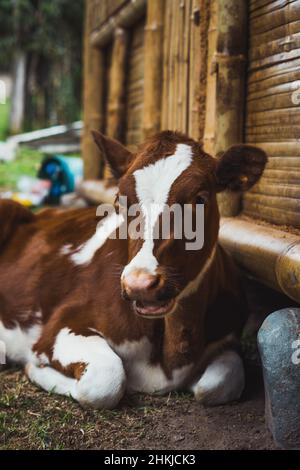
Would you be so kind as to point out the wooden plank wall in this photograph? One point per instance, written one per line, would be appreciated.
(101, 10)
(184, 66)
(180, 60)
(272, 118)
(134, 88)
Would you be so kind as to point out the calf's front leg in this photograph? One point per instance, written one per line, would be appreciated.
(223, 380)
(97, 374)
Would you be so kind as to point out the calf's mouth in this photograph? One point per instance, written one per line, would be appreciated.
(154, 309)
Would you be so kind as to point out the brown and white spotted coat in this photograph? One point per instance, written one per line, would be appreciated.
(91, 317)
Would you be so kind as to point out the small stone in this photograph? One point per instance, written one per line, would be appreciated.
(179, 438)
(279, 347)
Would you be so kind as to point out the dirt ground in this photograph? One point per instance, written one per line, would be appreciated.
(33, 419)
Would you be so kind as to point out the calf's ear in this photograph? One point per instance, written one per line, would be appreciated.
(240, 167)
(116, 155)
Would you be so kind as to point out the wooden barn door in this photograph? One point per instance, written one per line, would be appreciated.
(273, 108)
(134, 92)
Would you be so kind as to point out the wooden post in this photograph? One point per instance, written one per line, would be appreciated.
(153, 54)
(198, 67)
(116, 99)
(185, 85)
(165, 102)
(169, 58)
(231, 59)
(92, 101)
(116, 105)
(226, 82)
(210, 116)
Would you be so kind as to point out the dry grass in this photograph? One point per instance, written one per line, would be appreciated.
(33, 419)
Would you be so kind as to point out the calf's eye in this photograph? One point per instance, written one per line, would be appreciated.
(202, 197)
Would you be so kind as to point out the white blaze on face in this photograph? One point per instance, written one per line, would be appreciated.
(153, 184)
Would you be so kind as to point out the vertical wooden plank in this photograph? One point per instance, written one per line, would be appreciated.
(172, 53)
(107, 54)
(196, 53)
(92, 100)
(187, 90)
(135, 87)
(225, 85)
(166, 77)
(192, 60)
(153, 56)
(210, 117)
(178, 65)
(116, 104)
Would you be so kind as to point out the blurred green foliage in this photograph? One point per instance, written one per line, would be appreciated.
(43, 26)
(4, 116)
(7, 38)
(27, 163)
(50, 33)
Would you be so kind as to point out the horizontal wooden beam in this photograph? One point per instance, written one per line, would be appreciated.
(124, 18)
(270, 255)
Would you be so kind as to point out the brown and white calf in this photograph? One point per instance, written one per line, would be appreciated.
(91, 316)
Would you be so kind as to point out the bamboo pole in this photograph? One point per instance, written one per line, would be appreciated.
(116, 104)
(171, 105)
(115, 118)
(92, 101)
(186, 89)
(166, 65)
(198, 67)
(124, 18)
(153, 56)
(231, 59)
(271, 255)
(288, 215)
(179, 68)
(177, 65)
(210, 115)
(194, 56)
(135, 87)
(281, 190)
(226, 78)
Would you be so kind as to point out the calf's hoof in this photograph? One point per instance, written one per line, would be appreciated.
(223, 380)
(279, 347)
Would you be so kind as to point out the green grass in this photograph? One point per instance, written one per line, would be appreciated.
(27, 163)
(4, 116)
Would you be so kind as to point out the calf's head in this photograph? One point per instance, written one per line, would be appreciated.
(172, 169)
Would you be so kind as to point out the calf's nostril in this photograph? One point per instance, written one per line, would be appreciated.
(138, 281)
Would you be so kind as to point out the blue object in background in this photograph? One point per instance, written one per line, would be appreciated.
(63, 172)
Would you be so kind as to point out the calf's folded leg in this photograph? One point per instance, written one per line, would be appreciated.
(222, 381)
(97, 374)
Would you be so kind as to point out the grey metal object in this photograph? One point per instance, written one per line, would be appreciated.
(279, 347)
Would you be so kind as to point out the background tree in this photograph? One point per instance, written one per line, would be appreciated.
(44, 38)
